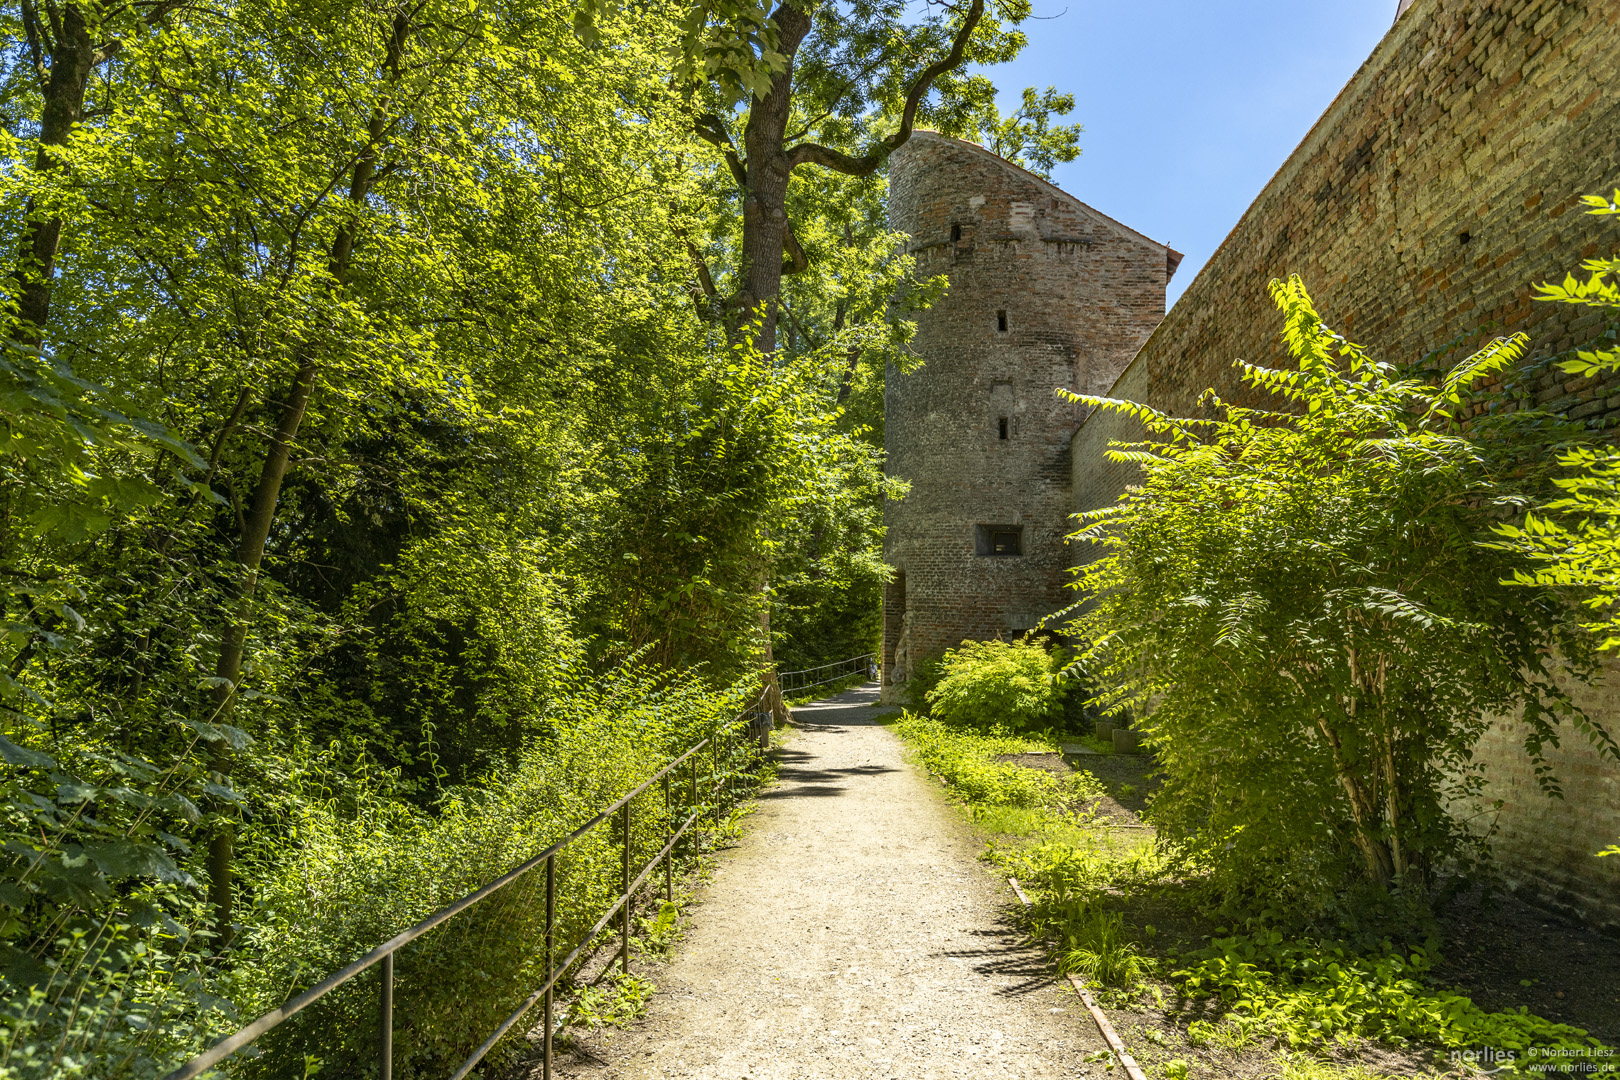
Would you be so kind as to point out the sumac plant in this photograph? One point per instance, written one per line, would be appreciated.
(1297, 606)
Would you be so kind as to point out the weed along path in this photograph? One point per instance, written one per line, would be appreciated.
(851, 933)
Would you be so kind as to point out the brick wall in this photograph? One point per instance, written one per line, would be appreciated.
(1078, 293)
(1439, 185)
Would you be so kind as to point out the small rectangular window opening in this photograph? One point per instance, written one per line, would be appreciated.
(956, 233)
(1001, 321)
(998, 540)
(1001, 425)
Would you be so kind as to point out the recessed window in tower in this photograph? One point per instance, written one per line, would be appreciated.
(1001, 322)
(998, 540)
(1001, 428)
(956, 233)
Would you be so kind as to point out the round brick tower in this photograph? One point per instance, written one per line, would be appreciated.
(1045, 292)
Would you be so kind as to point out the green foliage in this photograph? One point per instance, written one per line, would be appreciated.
(1297, 606)
(1092, 942)
(524, 458)
(1076, 890)
(1573, 542)
(1027, 137)
(964, 761)
(1311, 993)
(1305, 1067)
(1063, 874)
(1301, 993)
(613, 1003)
(984, 684)
(365, 867)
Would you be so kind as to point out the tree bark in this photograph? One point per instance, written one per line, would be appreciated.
(69, 41)
(766, 168)
(261, 515)
(763, 172)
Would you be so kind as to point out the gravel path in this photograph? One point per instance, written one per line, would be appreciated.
(851, 933)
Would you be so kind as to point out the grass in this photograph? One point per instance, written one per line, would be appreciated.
(1093, 943)
(1095, 892)
(1302, 1067)
(965, 761)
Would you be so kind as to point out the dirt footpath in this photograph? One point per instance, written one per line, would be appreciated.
(852, 933)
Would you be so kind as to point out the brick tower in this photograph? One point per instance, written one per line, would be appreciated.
(1045, 292)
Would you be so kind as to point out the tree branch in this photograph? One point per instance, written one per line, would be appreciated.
(810, 342)
(704, 278)
(797, 262)
(36, 49)
(55, 17)
(838, 161)
(711, 129)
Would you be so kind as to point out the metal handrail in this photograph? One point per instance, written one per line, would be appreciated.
(384, 954)
(854, 662)
(832, 663)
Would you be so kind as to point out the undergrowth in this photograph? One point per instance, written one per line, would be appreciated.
(1309, 993)
(1296, 996)
(361, 875)
(613, 1002)
(964, 760)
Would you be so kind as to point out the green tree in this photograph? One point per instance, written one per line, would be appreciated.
(1027, 137)
(1298, 606)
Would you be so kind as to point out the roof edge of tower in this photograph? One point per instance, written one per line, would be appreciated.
(1172, 256)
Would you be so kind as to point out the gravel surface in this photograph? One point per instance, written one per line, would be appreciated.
(851, 933)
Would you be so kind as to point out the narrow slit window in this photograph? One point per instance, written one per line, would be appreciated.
(956, 233)
(1001, 428)
(1001, 322)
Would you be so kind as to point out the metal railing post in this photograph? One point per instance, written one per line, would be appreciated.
(624, 913)
(385, 1038)
(669, 860)
(551, 924)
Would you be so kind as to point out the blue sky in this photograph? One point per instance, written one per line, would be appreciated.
(1189, 105)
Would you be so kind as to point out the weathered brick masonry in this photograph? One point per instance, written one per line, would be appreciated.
(1434, 191)
(1045, 292)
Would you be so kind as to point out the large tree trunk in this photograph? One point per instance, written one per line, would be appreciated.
(767, 237)
(261, 516)
(74, 54)
(765, 221)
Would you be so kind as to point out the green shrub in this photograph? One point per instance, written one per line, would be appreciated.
(1308, 993)
(1092, 943)
(983, 684)
(360, 875)
(1061, 873)
(925, 675)
(1298, 604)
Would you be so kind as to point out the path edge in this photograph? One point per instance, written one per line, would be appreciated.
(1110, 1036)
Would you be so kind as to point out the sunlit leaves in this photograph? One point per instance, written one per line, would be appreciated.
(1573, 542)
(1296, 605)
